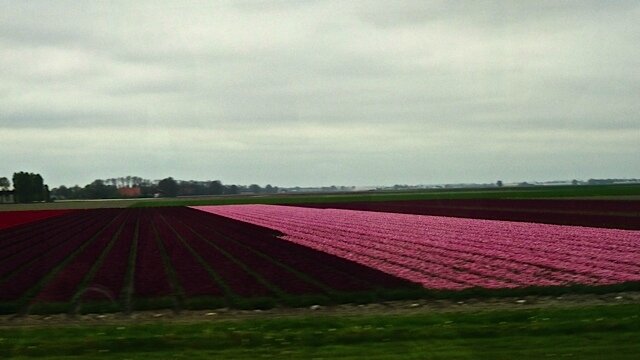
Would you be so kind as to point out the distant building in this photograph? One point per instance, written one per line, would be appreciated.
(7, 197)
(129, 192)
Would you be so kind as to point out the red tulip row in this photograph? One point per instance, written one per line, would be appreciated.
(14, 218)
(456, 253)
(19, 238)
(64, 285)
(257, 269)
(150, 274)
(25, 269)
(327, 271)
(111, 271)
(192, 276)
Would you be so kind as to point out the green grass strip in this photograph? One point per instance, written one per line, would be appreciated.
(581, 332)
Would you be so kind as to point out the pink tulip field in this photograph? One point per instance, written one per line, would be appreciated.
(455, 253)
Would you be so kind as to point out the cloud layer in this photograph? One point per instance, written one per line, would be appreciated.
(320, 92)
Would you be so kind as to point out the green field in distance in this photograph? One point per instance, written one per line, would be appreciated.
(621, 192)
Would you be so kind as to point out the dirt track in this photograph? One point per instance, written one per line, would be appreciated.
(386, 308)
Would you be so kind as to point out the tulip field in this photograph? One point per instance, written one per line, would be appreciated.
(584, 212)
(456, 253)
(255, 256)
(168, 257)
(13, 218)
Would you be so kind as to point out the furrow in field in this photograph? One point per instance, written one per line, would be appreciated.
(15, 219)
(41, 235)
(38, 255)
(52, 261)
(191, 275)
(106, 278)
(66, 283)
(333, 272)
(150, 278)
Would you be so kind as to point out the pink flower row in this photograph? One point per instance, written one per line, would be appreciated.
(456, 253)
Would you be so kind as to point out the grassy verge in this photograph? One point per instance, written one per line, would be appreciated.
(584, 332)
(333, 298)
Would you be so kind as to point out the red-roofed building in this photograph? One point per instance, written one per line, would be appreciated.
(129, 191)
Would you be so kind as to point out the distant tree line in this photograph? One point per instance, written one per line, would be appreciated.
(133, 186)
(611, 181)
(27, 187)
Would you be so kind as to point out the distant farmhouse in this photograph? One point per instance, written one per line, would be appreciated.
(129, 192)
(7, 197)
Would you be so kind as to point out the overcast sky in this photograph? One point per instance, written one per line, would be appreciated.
(320, 92)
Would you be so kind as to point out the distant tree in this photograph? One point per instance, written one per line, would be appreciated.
(216, 188)
(499, 183)
(574, 182)
(46, 194)
(61, 192)
(37, 188)
(148, 188)
(168, 187)
(76, 192)
(28, 187)
(269, 189)
(193, 187)
(99, 190)
(255, 188)
(22, 187)
(4, 183)
(601, 181)
(231, 190)
(137, 181)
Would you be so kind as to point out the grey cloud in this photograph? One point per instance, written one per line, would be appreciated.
(326, 88)
(483, 13)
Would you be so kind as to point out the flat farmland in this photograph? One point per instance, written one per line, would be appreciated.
(260, 256)
(128, 259)
(480, 278)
